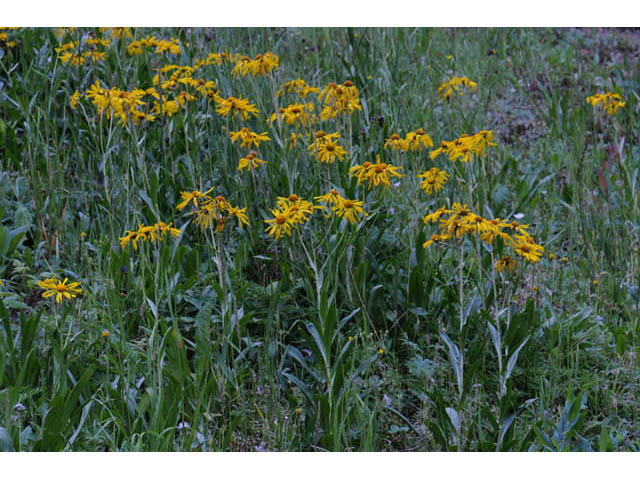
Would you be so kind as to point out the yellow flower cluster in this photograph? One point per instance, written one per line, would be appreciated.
(434, 180)
(339, 99)
(212, 212)
(206, 88)
(52, 286)
(296, 112)
(71, 52)
(250, 162)
(117, 32)
(74, 99)
(122, 104)
(4, 36)
(177, 72)
(149, 233)
(413, 141)
(260, 65)
(247, 138)
(168, 107)
(325, 148)
(290, 212)
(60, 32)
(236, 107)
(609, 102)
(136, 46)
(343, 207)
(461, 221)
(466, 146)
(217, 59)
(299, 87)
(181, 76)
(506, 262)
(375, 174)
(446, 89)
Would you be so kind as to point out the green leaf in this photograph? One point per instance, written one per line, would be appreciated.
(417, 294)
(147, 200)
(27, 331)
(303, 388)
(54, 423)
(6, 444)
(406, 420)
(317, 338)
(512, 360)
(456, 360)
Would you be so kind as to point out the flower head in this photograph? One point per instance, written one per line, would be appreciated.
(465, 147)
(412, 141)
(150, 233)
(524, 246)
(339, 99)
(326, 149)
(192, 197)
(291, 211)
(434, 180)
(376, 174)
(333, 197)
(460, 221)
(53, 286)
(74, 99)
(506, 262)
(236, 107)
(295, 113)
(609, 102)
(281, 222)
(247, 138)
(446, 89)
(260, 65)
(350, 209)
(250, 162)
(298, 86)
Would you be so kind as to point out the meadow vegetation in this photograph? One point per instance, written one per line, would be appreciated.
(286, 239)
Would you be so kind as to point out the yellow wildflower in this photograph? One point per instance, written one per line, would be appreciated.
(298, 209)
(281, 222)
(524, 246)
(150, 233)
(507, 262)
(434, 180)
(74, 99)
(53, 286)
(248, 138)
(235, 106)
(240, 213)
(331, 198)
(446, 89)
(412, 141)
(418, 139)
(376, 174)
(298, 86)
(350, 209)
(396, 142)
(465, 147)
(295, 113)
(609, 102)
(326, 150)
(260, 65)
(250, 162)
(339, 99)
